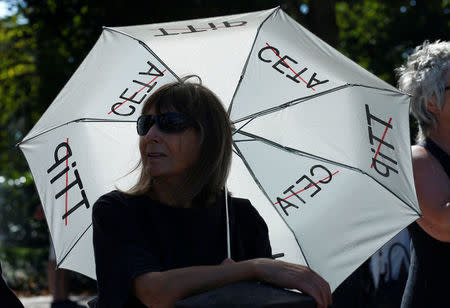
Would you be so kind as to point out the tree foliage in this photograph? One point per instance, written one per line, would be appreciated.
(380, 34)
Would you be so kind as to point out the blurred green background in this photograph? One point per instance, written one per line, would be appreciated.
(43, 42)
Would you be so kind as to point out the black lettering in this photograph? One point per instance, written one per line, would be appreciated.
(329, 177)
(311, 183)
(59, 160)
(150, 87)
(77, 181)
(385, 157)
(83, 201)
(283, 62)
(59, 175)
(164, 32)
(116, 106)
(372, 138)
(293, 193)
(371, 116)
(313, 78)
(192, 30)
(273, 49)
(294, 78)
(213, 26)
(149, 72)
(385, 172)
(289, 204)
(234, 23)
(131, 98)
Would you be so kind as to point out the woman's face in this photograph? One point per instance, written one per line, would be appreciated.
(169, 155)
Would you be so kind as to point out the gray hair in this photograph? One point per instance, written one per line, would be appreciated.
(424, 76)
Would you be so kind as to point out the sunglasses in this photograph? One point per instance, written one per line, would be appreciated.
(170, 122)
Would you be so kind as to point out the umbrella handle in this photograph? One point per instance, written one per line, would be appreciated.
(227, 216)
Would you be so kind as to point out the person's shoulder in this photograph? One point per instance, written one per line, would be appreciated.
(117, 195)
(250, 222)
(116, 215)
(420, 153)
(422, 160)
(113, 197)
(244, 207)
(114, 202)
(242, 204)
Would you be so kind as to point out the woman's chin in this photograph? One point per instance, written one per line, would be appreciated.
(154, 171)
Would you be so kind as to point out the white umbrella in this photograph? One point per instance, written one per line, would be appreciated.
(321, 145)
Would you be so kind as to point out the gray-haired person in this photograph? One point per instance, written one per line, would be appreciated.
(426, 76)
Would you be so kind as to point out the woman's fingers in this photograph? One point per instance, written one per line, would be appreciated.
(323, 287)
(289, 275)
(316, 287)
(326, 289)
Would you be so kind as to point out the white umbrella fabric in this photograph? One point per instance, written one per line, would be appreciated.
(321, 146)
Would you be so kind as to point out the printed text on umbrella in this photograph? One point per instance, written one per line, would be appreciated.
(152, 71)
(313, 81)
(77, 183)
(292, 191)
(195, 29)
(382, 167)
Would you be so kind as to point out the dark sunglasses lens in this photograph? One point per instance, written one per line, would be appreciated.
(173, 122)
(144, 123)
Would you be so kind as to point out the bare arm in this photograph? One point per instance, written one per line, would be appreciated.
(164, 289)
(433, 192)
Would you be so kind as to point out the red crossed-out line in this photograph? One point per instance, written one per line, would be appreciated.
(379, 145)
(307, 187)
(210, 28)
(138, 91)
(67, 176)
(289, 66)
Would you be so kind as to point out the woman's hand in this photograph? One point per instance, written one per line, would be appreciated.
(293, 276)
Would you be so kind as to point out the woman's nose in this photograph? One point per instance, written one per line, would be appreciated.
(153, 134)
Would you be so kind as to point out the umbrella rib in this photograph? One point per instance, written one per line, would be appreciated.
(147, 48)
(294, 151)
(291, 103)
(268, 198)
(377, 88)
(73, 246)
(248, 58)
(240, 128)
(406, 203)
(307, 98)
(309, 155)
(74, 121)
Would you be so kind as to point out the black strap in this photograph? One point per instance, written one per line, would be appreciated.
(438, 153)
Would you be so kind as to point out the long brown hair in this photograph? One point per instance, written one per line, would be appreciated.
(207, 177)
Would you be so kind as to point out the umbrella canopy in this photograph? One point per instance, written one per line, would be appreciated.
(321, 146)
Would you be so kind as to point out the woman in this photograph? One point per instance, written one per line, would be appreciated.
(165, 238)
(426, 76)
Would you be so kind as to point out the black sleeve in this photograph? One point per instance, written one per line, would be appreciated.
(253, 230)
(120, 254)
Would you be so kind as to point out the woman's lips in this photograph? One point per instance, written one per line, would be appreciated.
(155, 155)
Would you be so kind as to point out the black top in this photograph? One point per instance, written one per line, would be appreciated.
(429, 273)
(135, 234)
(7, 296)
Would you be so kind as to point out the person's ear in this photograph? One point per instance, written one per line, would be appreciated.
(432, 106)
